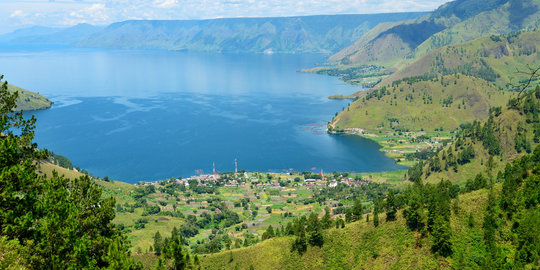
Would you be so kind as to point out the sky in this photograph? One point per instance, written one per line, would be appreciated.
(16, 14)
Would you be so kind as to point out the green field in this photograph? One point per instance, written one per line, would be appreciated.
(29, 101)
(359, 244)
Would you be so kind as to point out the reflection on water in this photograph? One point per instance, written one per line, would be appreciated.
(148, 115)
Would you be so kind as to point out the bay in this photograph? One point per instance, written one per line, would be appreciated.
(150, 115)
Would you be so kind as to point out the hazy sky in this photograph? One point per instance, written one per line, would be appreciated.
(22, 13)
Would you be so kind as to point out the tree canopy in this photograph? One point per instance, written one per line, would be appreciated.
(51, 221)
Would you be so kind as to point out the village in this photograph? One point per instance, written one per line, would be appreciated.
(237, 206)
(274, 180)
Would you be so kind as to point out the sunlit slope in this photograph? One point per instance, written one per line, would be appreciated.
(454, 22)
(422, 104)
(28, 100)
(507, 135)
(447, 87)
(497, 59)
(358, 246)
(514, 15)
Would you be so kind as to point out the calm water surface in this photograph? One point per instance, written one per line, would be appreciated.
(150, 115)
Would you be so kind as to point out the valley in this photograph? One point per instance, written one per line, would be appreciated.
(425, 154)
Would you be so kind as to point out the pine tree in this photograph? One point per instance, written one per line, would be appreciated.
(178, 257)
(316, 236)
(490, 223)
(326, 220)
(269, 233)
(441, 234)
(357, 210)
(158, 243)
(376, 209)
(300, 242)
(391, 207)
(57, 215)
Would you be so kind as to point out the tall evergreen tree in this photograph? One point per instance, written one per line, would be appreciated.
(67, 221)
(158, 243)
(391, 207)
(326, 220)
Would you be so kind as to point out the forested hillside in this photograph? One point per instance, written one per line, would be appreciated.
(50, 222)
(455, 22)
(508, 133)
(448, 87)
(501, 60)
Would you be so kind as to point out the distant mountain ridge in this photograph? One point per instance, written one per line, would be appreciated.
(302, 34)
(39, 35)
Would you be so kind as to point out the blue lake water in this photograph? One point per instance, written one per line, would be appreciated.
(150, 115)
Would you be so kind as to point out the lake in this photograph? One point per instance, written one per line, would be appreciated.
(150, 115)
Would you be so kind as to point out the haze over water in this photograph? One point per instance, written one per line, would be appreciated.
(150, 115)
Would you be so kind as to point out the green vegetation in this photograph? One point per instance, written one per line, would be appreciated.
(395, 45)
(231, 212)
(502, 60)
(365, 75)
(470, 198)
(507, 134)
(421, 104)
(29, 101)
(491, 222)
(50, 222)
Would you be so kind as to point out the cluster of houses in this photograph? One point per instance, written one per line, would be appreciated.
(334, 182)
(242, 179)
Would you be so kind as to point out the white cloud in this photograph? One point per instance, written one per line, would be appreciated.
(17, 13)
(20, 13)
(165, 3)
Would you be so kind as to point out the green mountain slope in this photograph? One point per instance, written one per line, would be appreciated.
(454, 22)
(447, 87)
(392, 245)
(514, 15)
(490, 222)
(358, 245)
(28, 100)
(508, 134)
(495, 59)
(421, 104)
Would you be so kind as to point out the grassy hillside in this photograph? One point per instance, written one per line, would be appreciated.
(447, 87)
(380, 46)
(28, 100)
(495, 59)
(420, 104)
(509, 134)
(47, 168)
(360, 245)
(455, 22)
(488, 223)
(362, 44)
(512, 16)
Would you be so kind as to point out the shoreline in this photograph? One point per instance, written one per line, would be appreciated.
(397, 145)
